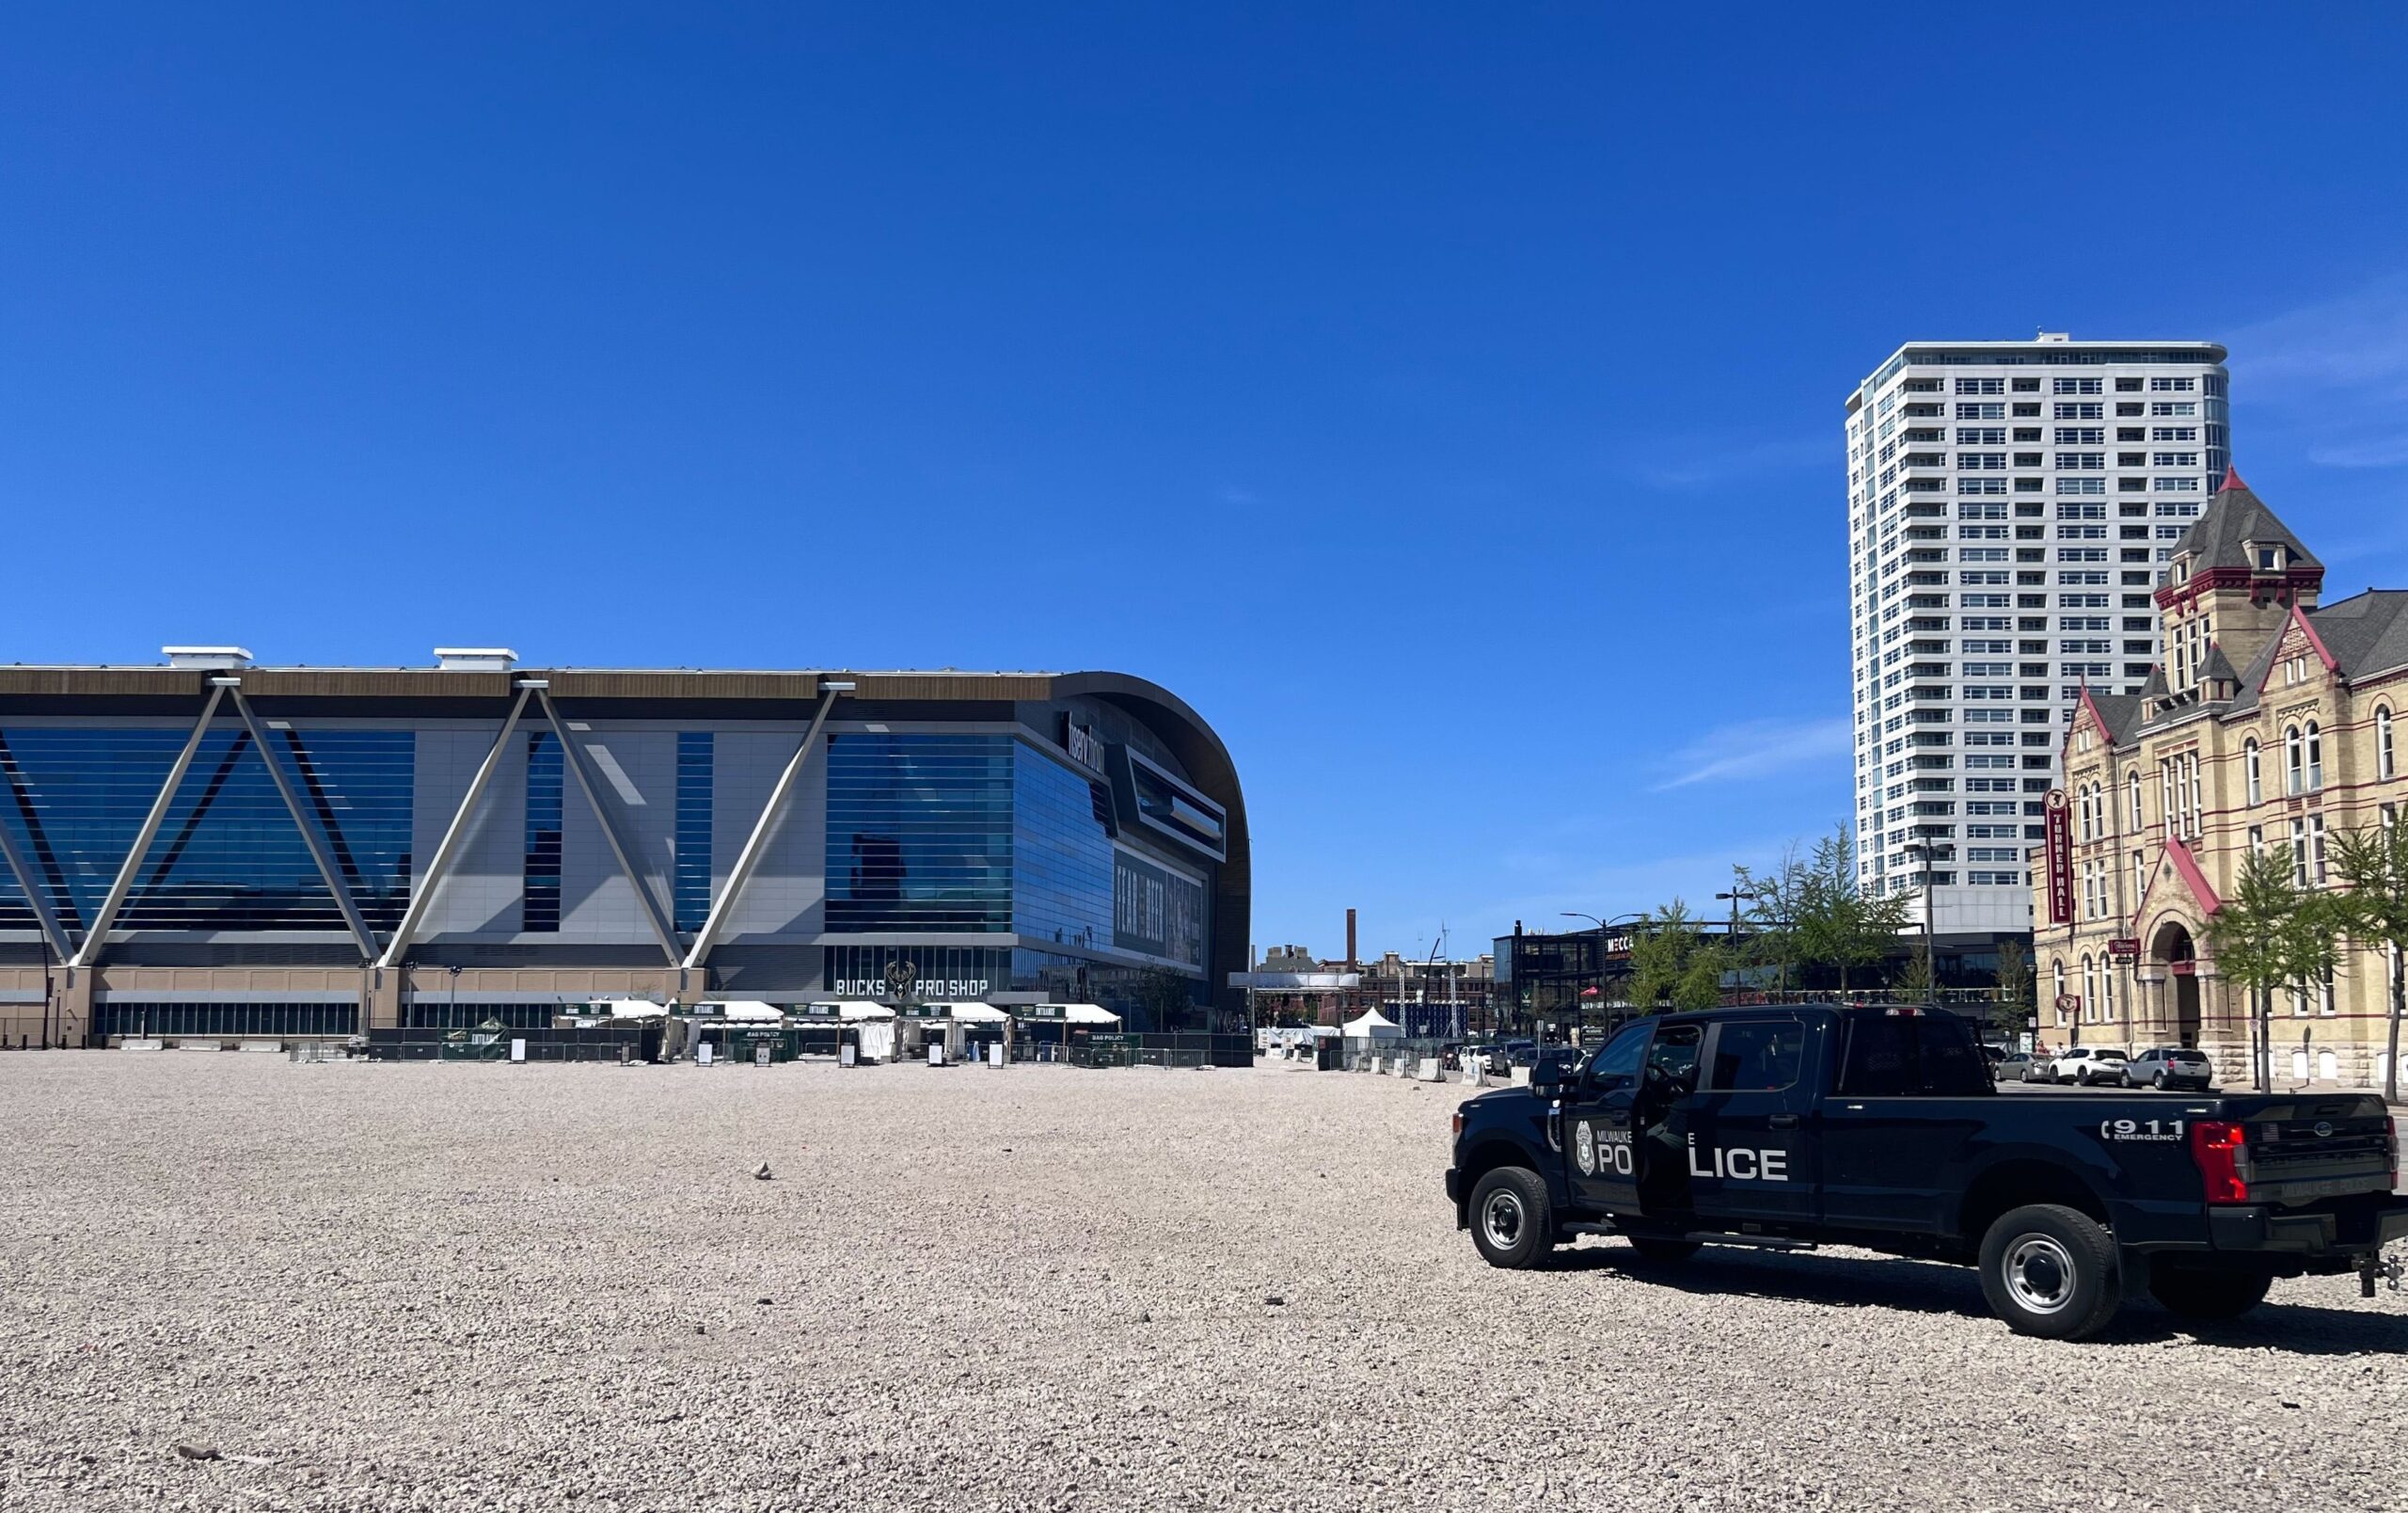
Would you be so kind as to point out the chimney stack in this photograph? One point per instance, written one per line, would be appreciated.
(1352, 960)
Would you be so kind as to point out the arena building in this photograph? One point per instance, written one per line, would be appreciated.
(211, 848)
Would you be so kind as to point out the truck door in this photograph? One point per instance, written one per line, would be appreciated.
(1753, 1151)
(1600, 1161)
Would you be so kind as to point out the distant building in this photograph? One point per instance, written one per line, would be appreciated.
(2273, 721)
(216, 849)
(2009, 503)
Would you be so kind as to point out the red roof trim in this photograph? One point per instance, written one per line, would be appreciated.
(2313, 639)
(2231, 481)
(2188, 867)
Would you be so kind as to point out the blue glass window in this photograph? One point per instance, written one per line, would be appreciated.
(1062, 858)
(919, 831)
(360, 784)
(541, 911)
(228, 856)
(693, 856)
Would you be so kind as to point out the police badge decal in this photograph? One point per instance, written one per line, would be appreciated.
(1584, 1149)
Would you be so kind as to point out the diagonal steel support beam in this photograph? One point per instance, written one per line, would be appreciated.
(307, 825)
(423, 896)
(98, 934)
(39, 900)
(574, 753)
(754, 844)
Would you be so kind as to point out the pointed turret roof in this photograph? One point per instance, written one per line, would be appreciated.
(2217, 668)
(2236, 517)
(2156, 688)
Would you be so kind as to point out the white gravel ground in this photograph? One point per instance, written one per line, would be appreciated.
(562, 1287)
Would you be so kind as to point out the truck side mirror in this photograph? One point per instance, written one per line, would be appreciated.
(1546, 1077)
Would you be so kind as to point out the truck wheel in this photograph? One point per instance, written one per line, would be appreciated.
(2050, 1270)
(1509, 1219)
(2198, 1292)
(1658, 1252)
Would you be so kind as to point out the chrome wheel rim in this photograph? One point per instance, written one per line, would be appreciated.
(2039, 1273)
(1501, 1218)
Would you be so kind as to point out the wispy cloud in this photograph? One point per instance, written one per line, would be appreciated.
(1757, 748)
(2338, 369)
(1708, 462)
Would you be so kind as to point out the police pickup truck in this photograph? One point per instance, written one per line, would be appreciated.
(1791, 1127)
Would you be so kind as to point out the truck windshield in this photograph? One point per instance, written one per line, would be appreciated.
(1894, 1055)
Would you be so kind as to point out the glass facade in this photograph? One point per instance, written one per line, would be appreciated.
(939, 832)
(1062, 854)
(260, 1019)
(1156, 911)
(228, 856)
(693, 882)
(359, 783)
(919, 831)
(938, 973)
(541, 908)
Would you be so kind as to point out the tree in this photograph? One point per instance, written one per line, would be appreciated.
(1914, 979)
(2272, 934)
(1772, 918)
(1166, 995)
(1700, 981)
(1660, 949)
(2014, 986)
(2374, 864)
(1835, 923)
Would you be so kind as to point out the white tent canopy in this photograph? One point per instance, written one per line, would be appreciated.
(751, 1011)
(973, 1013)
(1373, 1025)
(854, 1011)
(633, 1008)
(1089, 1013)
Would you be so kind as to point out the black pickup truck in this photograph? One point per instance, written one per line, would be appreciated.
(1792, 1127)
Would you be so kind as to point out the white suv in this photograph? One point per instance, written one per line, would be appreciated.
(2084, 1065)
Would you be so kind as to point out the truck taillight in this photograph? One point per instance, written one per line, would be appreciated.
(1459, 1124)
(2221, 1150)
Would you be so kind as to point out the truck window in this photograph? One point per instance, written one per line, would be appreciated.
(1895, 1055)
(1757, 1055)
(1674, 1052)
(1616, 1061)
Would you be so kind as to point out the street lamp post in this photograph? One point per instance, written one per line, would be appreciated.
(1731, 940)
(1601, 924)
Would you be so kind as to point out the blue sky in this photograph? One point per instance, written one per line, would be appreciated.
(1446, 400)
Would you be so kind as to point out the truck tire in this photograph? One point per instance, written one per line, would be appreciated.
(1661, 1252)
(2048, 1270)
(1511, 1222)
(2206, 1292)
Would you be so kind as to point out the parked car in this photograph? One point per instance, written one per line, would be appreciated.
(2014, 1067)
(2171, 1066)
(2043, 1067)
(2084, 1065)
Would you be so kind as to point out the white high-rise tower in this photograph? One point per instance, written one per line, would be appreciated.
(2009, 503)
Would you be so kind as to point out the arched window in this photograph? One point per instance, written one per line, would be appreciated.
(2089, 991)
(2385, 764)
(2295, 762)
(2134, 788)
(2249, 765)
(2315, 758)
(2057, 971)
(2107, 989)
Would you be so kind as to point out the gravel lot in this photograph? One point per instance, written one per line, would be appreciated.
(542, 1287)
